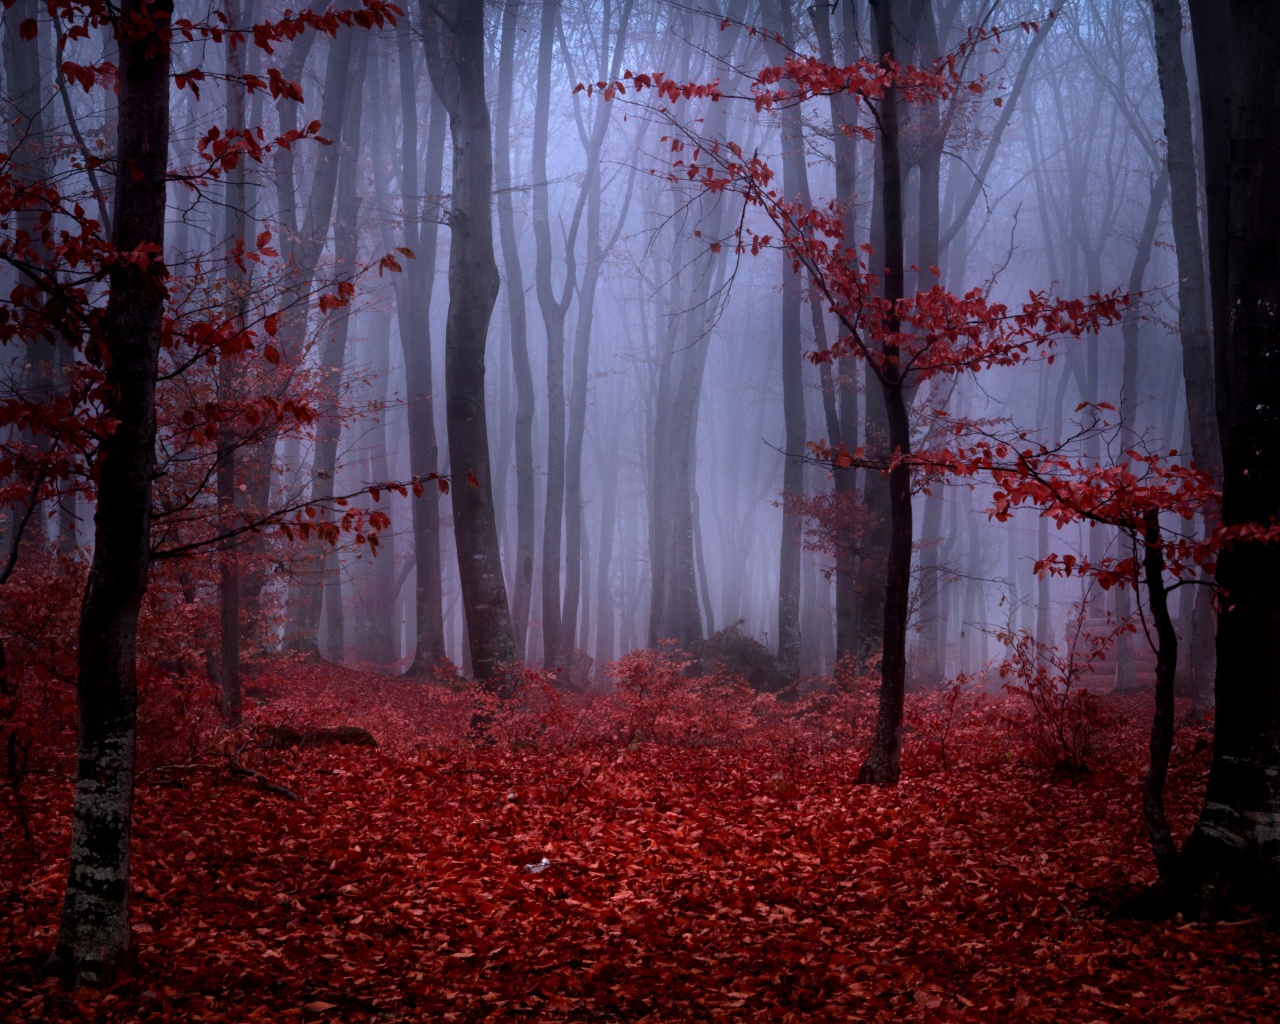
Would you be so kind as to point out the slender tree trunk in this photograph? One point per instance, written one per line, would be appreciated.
(256, 461)
(1160, 745)
(310, 596)
(519, 318)
(413, 310)
(882, 765)
(382, 647)
(844, 480)
(455, 59)
(930, 629)
(794, 183)
(228, 388)
(1126, 670)
(28, 162)
(674, 598)
(605, 605)
(94, 938)
(553, 309)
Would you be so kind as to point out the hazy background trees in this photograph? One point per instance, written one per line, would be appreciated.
(643, 390)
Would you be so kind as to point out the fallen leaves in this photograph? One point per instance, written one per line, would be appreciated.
(684, 880)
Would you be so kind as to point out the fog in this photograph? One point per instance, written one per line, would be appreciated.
(658, 361)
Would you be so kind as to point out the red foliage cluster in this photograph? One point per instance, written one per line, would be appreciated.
(682, 880)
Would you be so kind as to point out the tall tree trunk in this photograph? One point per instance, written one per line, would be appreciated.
(413, 311)
(1233, 855)
(882, 765)
(228, 384)
(795, 182)
(1126, 670)
(300, 250)
(94, 937)
(29, 163)
(256, 460)
(1193, 297)
(310, 596)
(844, 479)
(455, 59)
(674, 606)
(597, 251)
(519, 317)
(554, 308)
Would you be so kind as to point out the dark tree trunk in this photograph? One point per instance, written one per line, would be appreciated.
(1193, 298)
(1161, 741)
(523, 372)
(94, 937)
(882, 763)
(1233, 855)
(455, 59)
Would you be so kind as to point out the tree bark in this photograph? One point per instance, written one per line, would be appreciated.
(1193, 296)
(455, 59)
(882, 765)
(1160, 745)
(94, 938)
(1233, 855)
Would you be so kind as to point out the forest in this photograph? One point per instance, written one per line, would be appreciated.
(639, 510)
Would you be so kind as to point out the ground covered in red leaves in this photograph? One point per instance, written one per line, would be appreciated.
(732, 871)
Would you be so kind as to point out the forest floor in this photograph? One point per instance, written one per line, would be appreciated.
(724, 876)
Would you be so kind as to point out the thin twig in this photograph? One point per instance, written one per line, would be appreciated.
(272, 787)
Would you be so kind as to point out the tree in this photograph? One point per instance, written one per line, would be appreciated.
(94, 938)
(1193, 295)
(1233, 855)
(519, 317)
(795, 181)
(155, 501)
(413, 310)
(455, 61)
(904, 341)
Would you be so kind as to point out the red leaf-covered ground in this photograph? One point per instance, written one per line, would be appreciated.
(692, 880)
